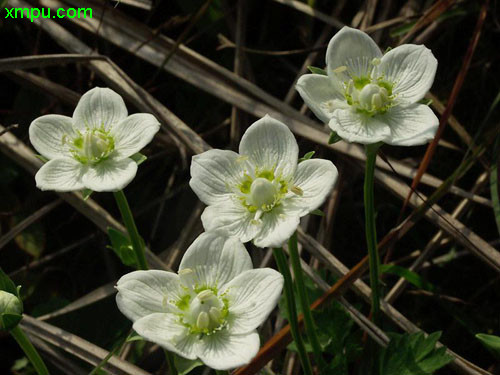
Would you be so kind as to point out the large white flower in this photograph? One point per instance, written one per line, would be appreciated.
(209, 310)
(91, 150)
(368, 97)
(261, 192)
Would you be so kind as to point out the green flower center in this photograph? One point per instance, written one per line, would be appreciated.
(263, 194)
(369, 96)
(94, 146)
(204, 312)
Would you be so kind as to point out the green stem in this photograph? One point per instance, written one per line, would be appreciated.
(304, 301)
(170, 362)
(281, 262)
(370, 229)
(128, 220)
(29, 350)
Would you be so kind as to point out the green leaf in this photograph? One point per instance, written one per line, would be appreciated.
(184, 366)
(86, 193)
(42, 158)
(139, 158)
(425, 101)
(9, 321)
(410, 276)
(334, 138)
(490, 342)
(315, 70)
(20, 364)
(7, 284)
(307, 156)
(413, 354)
(317, 212)
(32, 240)
(134, 337)
(122, 247)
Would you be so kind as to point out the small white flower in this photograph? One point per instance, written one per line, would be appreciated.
(209, 310)
(91, 150)
(368, 97)
(261, 192)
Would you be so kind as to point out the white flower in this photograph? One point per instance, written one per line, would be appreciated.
(261, 192)
(91, 150)
(368, 97)
(209, 310)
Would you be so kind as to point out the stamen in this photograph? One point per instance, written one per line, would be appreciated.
(297, 191)
(340, 69)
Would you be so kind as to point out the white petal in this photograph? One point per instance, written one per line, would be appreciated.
(214, 173)
(61, 175)
(230, 219)
(315, 178)
(353, 49)
(48, 135)
(142, 293)
(411, 69)
(224, 351)
(355, 127)
(133, 133)
(270, 145)
(216, 260)
(322, 94)
(167, 331)
(99, 107)
(414, 124)
(110, 175)
(276, 227)
(252, 296)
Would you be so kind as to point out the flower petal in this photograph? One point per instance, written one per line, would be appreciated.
(142, 293)
(252, 296)
(315, 178)
(411, 68)
(167, 331)
(224, 351)
(322, 94)
(48, 135)
(230, 219)
(276, 227)
(99, 107)
(63, 174)
(216, 260)
(110, 175)
(355, 127)
(133, 133)
(413, 124)
(270, 145)
(213, 173)
(353, 49)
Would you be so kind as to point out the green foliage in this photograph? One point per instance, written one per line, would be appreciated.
(32, 239)
(13, 313)
(185, 366)
(86, 193)
(122, 247)
(307, 156)
(490, 342)
(410, 276)
(413, 354)
(334, 138)
(315, 70)
(139, 158)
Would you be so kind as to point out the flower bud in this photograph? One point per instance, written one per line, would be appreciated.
(10, 304)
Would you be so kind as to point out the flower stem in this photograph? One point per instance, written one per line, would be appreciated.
(128, 220)
(29, 350)
(370, 228)
(304, 301)
(281, 262)
(170, 362)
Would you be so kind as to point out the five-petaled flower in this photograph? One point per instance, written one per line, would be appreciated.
(209, 310)
(262, 192)
(92, 149)
(368, 97)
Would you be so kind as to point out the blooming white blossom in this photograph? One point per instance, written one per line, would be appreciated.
(209, 310)
(369, 97)
(261, 192)
(92, 149)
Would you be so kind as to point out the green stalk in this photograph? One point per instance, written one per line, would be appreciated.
(29, 350)
(304, 301)
(370, 229)
(170, 362)
(281, 262)
(129, 222)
